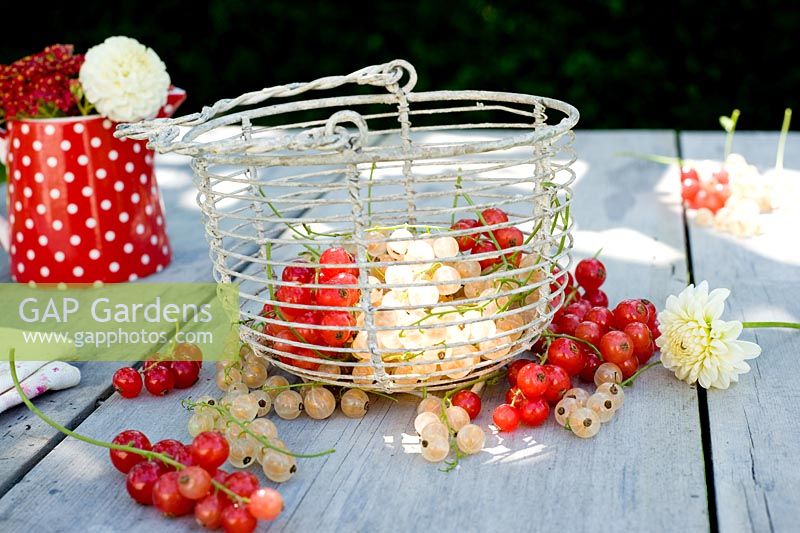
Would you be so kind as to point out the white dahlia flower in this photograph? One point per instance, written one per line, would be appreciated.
(699, 347)
(124, 80)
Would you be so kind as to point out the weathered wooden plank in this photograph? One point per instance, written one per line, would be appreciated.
(754, 426)
(641, 468)
(24, 439)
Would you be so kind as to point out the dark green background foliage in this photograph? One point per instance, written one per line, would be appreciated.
(623, 63)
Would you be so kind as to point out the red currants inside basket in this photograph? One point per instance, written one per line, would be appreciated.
(446, 302)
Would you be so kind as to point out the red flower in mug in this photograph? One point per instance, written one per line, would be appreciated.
(41, 85)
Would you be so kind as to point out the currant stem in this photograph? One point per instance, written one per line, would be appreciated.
(576, 339)
(729, 137)
(791, 325)
(628, 382)
(230, 418)
(787, 119)
(663, 159)
(291, 386)
(149, 455)
(483, 379)
(478, 387)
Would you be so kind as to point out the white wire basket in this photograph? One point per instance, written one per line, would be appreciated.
(380, 175)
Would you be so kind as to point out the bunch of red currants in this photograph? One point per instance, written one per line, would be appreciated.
(491, 241)
(710, 194)
(193, 481)
(161, 375)
(584, 334)
(296, 291)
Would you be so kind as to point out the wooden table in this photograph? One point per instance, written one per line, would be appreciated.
(673, 459)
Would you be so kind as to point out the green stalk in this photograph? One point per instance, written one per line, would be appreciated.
(369, 191)
(576, 339)
(455, 198)
(263, 441)
(487, 378)
(663, 159)
(628, 382)
(149, 455)
(791, 325)
(730, 127)
(787, 119)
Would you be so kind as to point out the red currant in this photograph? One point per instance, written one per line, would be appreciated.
(299, 363)
(242, 483)
(237, 519)
(652, 312)
(601, 316)
(514, 397)
(339, 297)
(194, 482)
(689, 190)
(566, 323)
(154, 362)
(505, 417)
(558, 382)
(690, 184)
(122, 460)
(186, 373)
(342, 320)
(273, 328)
(589, 331)
(514, 368)
(592, 362)
(209, 450)
(492, 216)
(168, 499)
(173, 449)
(265, 504)
(294, 294)
(509, 237)
(596, 298)
(579, 309)
(641, 338)
(590, 273)
(628, 311)
(532, 381)
(562, 279)
(466, 242)
(281, 345)
(486, 246)
(655, 330)
(335, 256)
(616, 346)
(628, 367)
(140, 480)
(159, 380)
(299, 272)
(208, 511)
(307, 335)
(128, 382)
(534, 412)
(566, 354)
(468, 401)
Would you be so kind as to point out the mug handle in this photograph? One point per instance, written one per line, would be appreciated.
(5, 228)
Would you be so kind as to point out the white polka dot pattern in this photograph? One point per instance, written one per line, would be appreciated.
(83, 205)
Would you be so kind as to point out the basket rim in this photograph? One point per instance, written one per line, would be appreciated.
(240, 151)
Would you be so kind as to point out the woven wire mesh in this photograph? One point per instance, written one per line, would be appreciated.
(375, 175)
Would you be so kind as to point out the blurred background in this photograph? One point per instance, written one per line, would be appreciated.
(623, 63)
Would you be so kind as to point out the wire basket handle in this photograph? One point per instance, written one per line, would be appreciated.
(161, 132)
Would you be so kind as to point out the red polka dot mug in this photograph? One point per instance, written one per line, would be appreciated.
(83, 206)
